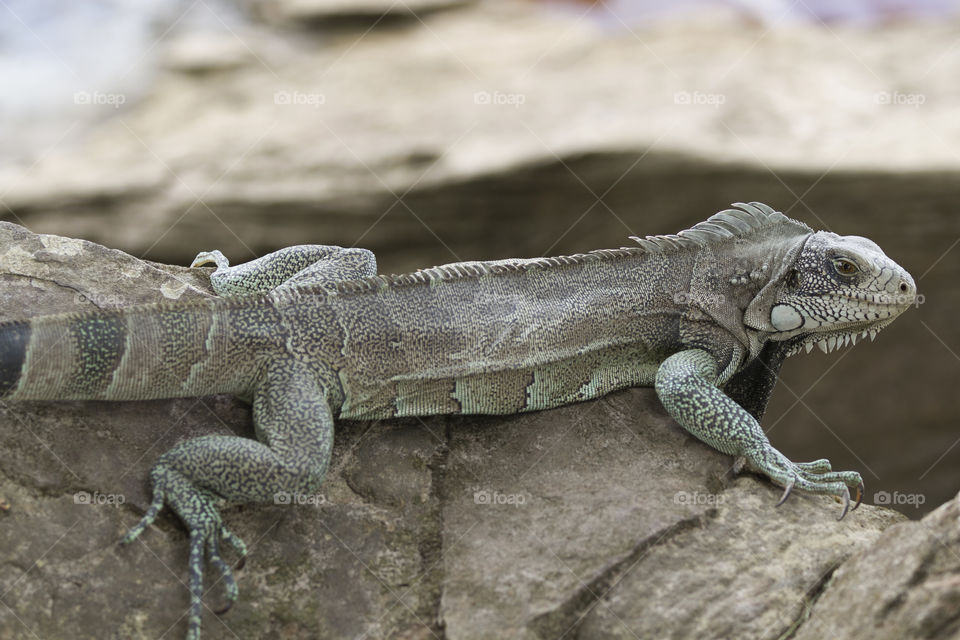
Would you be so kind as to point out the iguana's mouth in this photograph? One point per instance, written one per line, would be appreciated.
(829, 341)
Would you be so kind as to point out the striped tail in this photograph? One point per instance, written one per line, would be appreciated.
(152, 351)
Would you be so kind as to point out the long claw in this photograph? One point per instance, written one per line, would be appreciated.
(786, 492)
(846, 503)
(859, 496)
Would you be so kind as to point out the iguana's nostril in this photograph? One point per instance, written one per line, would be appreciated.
(903, 287)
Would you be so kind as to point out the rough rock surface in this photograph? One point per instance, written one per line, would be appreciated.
(906, 585)
(597, 520)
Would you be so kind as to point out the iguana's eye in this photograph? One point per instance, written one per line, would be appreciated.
(845, 267)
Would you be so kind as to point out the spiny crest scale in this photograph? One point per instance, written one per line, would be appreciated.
(461, 270)
(746, 218)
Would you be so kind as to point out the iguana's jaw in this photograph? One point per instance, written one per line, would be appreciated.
(828, 341)
(854, 317)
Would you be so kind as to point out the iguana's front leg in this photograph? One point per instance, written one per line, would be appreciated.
(295, 425)
(686, 386)
(307, 264)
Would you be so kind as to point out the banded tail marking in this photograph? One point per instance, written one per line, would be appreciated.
(14, 338)
(99, 342)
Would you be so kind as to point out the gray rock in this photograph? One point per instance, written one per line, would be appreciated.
(601, 519)
(628, 529)
(904, 586)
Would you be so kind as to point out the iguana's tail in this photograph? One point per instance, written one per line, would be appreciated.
(150, 351)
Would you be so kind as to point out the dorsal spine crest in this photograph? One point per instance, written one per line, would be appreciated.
(739, 222)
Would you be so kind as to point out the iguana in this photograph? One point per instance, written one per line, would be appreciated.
(311, 333)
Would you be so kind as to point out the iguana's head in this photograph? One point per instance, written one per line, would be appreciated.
(839, 289)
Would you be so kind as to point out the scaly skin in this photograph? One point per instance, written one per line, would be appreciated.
(310, 333)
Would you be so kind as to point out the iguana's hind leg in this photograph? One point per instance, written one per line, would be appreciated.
(685, 385)
(307, 264)
(294, 425)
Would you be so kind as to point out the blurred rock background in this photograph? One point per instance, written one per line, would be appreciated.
(438, 130)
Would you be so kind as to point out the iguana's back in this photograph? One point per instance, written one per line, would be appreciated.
(494, 341)
(505, 341)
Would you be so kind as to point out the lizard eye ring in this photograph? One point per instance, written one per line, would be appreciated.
(845, 267)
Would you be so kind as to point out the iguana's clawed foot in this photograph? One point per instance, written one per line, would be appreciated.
(789, 489)
(815, 477)
(205, 535)
(199, 513)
